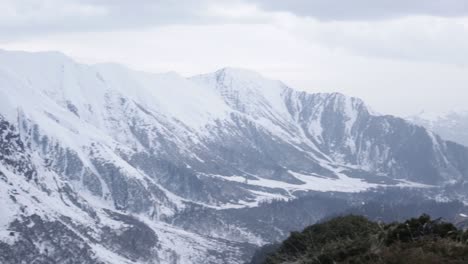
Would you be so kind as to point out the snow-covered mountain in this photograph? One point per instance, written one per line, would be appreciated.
(450, 126)
(102, 164)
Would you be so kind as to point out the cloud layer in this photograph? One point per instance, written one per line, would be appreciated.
(367, 9)
(19, 18)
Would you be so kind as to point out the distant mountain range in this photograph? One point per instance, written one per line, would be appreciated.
(451, 126)
(103, 164)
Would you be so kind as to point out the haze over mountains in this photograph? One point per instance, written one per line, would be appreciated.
(102, 164)
(451, 126)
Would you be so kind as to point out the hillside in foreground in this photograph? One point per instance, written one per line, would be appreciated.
(354, 239)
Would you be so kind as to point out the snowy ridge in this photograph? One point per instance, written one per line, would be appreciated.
(94, 103)
(109, 148)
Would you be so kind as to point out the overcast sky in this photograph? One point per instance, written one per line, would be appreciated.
(401, 56)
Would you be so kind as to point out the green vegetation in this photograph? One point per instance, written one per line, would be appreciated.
(356, 240)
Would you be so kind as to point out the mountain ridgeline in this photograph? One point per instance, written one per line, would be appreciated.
(132, 167)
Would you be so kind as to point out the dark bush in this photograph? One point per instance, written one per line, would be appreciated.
(354, 239)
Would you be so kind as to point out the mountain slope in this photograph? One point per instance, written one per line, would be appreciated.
(103, 153)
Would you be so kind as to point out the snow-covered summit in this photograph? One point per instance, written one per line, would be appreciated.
(103, 147)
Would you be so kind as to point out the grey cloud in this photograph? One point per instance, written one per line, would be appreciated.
(21, 18)
(24, 18)
(366, 9)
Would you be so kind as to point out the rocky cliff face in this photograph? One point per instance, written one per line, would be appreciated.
(116, 162)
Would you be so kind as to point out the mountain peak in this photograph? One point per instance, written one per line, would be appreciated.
(238, 79)
(241, 73)
(91, 158)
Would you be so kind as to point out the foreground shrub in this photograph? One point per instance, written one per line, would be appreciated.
(354, 239)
